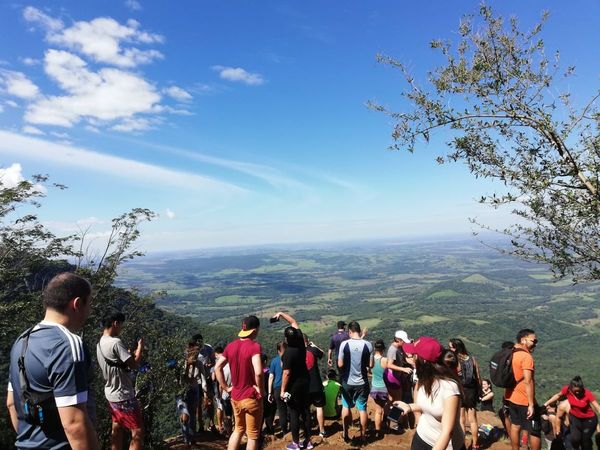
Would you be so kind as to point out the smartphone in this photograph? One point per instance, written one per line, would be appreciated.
(395, 413)
(274, 319)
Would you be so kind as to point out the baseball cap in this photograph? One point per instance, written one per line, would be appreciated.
(401, 334)
(249, 324)
(425, 347)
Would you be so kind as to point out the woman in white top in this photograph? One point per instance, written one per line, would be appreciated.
(438, 399)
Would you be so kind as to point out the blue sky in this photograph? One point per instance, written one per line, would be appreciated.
(242, 123)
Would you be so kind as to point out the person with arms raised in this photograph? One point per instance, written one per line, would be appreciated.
(116, 363)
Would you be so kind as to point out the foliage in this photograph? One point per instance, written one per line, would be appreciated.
(498, 93)
(30, 255)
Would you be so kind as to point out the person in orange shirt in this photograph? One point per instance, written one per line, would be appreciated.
(522, 406)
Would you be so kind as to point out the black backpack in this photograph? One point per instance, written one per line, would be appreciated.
(501, 373)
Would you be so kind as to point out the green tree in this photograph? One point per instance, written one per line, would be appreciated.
(498, 94)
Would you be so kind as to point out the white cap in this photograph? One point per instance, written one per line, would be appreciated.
(401, 334)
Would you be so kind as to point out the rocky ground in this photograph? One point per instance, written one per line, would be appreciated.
(334, 441)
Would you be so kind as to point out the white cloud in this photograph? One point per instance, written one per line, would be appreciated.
(11, 176)
(170, 214)
(18, 85)
(32, 130)
(102, 39)
(1, 109)
(237, 74)
(178, 93)
(133, 5)
(49, 24)
(134, 124)
(113, 166)
(92, 128)
(106, 95)
(30, 61)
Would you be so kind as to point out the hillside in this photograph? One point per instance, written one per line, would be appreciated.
(443, 289)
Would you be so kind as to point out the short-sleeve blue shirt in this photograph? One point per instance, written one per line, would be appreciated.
(56, 362)
(276, 370)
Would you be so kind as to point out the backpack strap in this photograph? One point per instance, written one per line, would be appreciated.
(516, 350)
(28, 393)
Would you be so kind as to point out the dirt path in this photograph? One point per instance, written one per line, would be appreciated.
(334, 441)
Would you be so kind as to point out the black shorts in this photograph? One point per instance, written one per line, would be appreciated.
(317, 399)
(518, 416)
(470, 398)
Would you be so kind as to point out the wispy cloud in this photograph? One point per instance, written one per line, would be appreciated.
(133, 5)
(178, 93)
(239, 75)
(170, 214)
(42, 150)
(32, 130)
(268, 174)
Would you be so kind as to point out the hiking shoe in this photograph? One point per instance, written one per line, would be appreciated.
(308, 445)
(293, 446)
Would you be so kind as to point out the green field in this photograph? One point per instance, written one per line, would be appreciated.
(443, 289)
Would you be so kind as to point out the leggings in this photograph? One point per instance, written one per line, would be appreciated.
(582, 431)
(299, 413)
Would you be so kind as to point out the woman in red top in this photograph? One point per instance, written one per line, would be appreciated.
(582, 417)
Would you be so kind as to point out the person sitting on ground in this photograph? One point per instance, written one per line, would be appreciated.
(354, 360)
(295, 383)
(438, 399)
(582, 418)
(317, 396)
(468, 371)
(487, 396)
(332, 389)
(378, 392)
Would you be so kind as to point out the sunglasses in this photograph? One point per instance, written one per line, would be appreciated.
(533, 341)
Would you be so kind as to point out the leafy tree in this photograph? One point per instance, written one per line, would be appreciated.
(30, 255)
(498, 94)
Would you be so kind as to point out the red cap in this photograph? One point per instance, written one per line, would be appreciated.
(426, 347)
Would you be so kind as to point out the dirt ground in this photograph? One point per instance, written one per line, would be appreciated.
(334, 441)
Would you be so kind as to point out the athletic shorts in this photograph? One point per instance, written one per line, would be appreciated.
(518, 416)
(127, 413)
(355, 396)
(379, 394)
(248, 415)
(317, 399)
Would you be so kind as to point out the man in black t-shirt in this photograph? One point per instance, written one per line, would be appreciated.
(315, 391)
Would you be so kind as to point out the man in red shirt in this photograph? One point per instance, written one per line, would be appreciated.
(247, 387)
(522, 406)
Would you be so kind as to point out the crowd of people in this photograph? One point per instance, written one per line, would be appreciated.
(413, 383)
